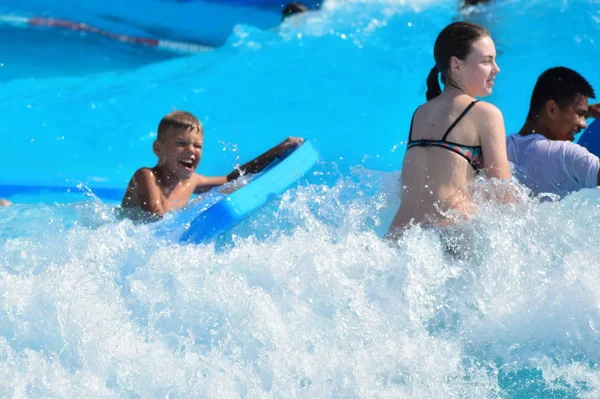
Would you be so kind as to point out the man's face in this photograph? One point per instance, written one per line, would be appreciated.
(569, 120)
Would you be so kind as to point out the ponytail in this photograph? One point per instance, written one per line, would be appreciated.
(433, 84)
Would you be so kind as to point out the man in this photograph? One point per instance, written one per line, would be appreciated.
(545, 158)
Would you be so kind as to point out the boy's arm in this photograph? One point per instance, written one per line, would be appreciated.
(256, 165)
(262, 161)
(4, 202)
(204, 183)
(143, 185)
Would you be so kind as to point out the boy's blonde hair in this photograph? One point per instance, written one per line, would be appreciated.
(177, 120)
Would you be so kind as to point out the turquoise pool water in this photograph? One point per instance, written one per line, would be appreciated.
(303, 299)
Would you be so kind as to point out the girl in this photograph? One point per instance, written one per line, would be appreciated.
(452, 136)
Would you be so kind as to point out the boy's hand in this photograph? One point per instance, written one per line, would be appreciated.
(261, 162)
(593, 111)
(4, 202)
(290, 142)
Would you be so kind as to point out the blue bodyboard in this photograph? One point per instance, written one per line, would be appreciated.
(235, 207)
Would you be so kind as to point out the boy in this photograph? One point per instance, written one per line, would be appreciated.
(170, 184)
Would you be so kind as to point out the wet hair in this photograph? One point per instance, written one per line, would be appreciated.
(455, 40)
(563, 85)
(293, 8)
(177, 120)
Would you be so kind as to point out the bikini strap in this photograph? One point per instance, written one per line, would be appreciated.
(411, 124)
(458, 120)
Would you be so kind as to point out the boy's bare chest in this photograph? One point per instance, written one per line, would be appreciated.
(177, 197)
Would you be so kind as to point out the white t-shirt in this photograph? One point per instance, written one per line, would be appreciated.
(551, 166)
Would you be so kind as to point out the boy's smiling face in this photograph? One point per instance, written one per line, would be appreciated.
(180, 151)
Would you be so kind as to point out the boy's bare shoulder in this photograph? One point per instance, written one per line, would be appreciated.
(142, 183)
(143, 175)
(144, 172)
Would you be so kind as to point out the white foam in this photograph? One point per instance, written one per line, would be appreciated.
(320, 307)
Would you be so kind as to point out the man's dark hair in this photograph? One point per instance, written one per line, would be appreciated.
(293, 8)
(563, 85)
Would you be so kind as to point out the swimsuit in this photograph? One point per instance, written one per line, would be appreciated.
(472, 154)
